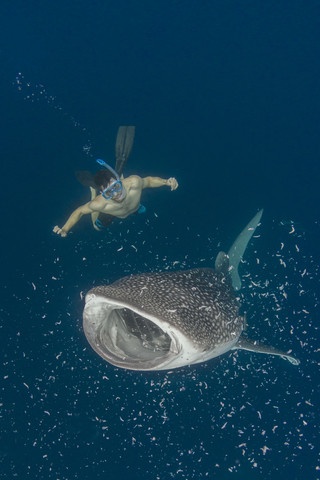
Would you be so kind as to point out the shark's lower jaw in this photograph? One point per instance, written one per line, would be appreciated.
(133, 340)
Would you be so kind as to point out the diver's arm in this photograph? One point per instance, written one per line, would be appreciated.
(73, 219)
(94, 214)
(154, 182)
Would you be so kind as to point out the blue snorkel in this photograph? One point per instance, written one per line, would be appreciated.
(105, 165)
(116, 186)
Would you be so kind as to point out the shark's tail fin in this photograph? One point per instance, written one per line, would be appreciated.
(237, 250)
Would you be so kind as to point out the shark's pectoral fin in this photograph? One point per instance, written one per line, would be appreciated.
(252, 346)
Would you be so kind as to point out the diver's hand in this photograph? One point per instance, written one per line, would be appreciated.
(59, 231)
(172, 183)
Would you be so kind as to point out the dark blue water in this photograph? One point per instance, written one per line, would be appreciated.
(225, 97)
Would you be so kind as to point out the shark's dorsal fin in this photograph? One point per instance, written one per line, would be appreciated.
(238, 248)
(222, 263)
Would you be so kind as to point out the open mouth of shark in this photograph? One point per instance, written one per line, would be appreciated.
(136, 338)
(129, 339)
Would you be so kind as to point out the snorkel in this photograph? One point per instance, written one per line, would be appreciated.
(115, 187)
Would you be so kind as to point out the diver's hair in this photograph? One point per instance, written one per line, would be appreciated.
(102, 178)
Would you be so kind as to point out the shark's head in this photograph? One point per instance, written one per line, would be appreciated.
(162, 320)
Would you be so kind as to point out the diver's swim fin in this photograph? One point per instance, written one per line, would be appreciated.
(124, 143)
(85, 178)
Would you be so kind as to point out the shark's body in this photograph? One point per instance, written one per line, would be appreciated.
(160, 321)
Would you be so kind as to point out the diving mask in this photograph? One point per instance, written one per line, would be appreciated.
(115, 187)
(112, 190)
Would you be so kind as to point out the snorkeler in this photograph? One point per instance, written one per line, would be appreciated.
(111, 194)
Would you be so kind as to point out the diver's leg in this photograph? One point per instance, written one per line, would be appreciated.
(104, 220)
(124, 143)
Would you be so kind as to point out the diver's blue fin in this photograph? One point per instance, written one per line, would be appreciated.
(141, 209)
(99, 224)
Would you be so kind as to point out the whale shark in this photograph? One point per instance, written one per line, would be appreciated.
(167, 320)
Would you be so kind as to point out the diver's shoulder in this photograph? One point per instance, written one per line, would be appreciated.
(97, 203)
(133, 181)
